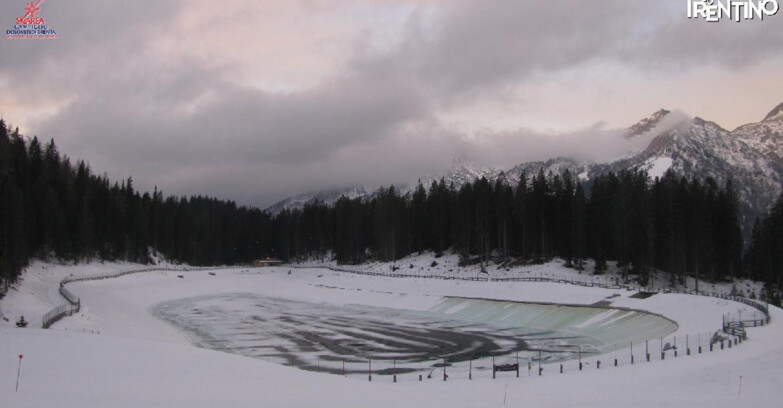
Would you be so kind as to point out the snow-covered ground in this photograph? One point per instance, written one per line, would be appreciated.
(115, 352)
(446, 265)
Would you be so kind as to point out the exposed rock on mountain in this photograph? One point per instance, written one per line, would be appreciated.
(751, 156)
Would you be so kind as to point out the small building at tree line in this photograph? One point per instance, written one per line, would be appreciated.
(266, 262)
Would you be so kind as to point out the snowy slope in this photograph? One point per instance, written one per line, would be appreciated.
(749, 156)
(329, 197)
(646, 125)
(462, 171)
(766, 136)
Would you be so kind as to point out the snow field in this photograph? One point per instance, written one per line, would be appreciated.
(139, 360)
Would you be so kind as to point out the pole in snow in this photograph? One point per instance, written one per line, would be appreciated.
(675, 346)
(444, 370)
(539, 363)
(615, 355)
(19, 371)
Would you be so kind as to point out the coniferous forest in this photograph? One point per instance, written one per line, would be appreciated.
(53, 208)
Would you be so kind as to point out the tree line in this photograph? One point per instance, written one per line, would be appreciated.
(765, 253)
(684, 227)
(52, 208)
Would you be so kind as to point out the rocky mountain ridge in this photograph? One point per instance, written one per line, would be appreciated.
(751, 156)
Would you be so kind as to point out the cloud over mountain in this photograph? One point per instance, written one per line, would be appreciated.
(254, 101)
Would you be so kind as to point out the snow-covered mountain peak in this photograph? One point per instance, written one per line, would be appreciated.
(751, 156)
(463, 170)
(775, 115)
(645, 125)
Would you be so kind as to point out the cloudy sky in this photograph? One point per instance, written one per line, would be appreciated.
(257, 100)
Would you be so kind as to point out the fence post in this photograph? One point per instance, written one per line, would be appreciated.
(444, 370)
(675, 346)
(540, 370)
(18, 372)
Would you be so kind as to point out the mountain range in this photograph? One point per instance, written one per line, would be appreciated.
(750, 155)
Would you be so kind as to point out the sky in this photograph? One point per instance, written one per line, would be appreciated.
(254, 101)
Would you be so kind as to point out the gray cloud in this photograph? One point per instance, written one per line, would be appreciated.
(478, 46)
(132, 102)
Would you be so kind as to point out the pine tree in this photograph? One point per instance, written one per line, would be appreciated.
(462, 221)
(577, 230)
(520, 215)
(419, 228)
(504, 201)
(483, 216)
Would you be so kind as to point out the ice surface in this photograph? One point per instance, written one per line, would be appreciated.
(318, 336)
(598, 323)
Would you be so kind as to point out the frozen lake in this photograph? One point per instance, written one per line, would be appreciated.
(337, 339)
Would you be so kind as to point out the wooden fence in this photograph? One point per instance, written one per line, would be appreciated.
(735, 327)
(73, 304)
